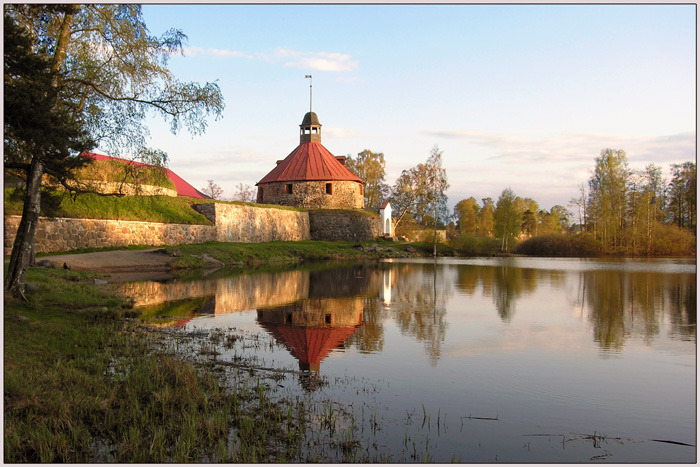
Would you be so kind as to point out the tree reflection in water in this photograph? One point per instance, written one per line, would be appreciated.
(318, 310)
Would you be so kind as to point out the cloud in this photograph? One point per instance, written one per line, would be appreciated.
(194, 51)
(320, 61)
(314, 61)
(568, 147)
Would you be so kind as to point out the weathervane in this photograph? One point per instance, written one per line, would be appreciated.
(310, 90)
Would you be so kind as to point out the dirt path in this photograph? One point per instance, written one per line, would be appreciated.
(115, 261)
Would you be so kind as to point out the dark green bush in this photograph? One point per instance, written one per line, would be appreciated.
(474, 245)
(560, 245)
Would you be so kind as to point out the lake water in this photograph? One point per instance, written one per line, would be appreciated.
(471, 360)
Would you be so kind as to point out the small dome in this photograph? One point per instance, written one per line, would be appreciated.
(310, 119)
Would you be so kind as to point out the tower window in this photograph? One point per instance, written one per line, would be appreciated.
(288, 189)
(362, 190)
(329, 188)
(328, 319)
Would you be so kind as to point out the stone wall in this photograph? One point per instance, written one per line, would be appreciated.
(238, 223)
(232, 223)
(314, 194)
(62, 234)
(344, 225)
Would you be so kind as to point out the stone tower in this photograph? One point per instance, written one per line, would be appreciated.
(311, 177)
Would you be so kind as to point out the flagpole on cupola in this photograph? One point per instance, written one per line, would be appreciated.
(310, 90)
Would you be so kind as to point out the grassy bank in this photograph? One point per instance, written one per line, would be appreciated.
(233, 254)
(83, 383)
(166, 209)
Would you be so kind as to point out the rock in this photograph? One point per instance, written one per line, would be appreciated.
(31, 288)
(45, 263)
(99, 282)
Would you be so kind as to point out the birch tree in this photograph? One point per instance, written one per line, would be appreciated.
(608, 196)
(110, 73)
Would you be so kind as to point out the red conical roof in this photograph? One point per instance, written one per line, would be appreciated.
(310, 345)
(310, 161)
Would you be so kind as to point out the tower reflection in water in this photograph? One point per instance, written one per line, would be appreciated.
(314, 327)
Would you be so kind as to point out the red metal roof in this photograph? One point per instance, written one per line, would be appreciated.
(310, 161)
(183, 188)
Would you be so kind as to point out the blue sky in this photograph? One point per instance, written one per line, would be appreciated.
(519, 96)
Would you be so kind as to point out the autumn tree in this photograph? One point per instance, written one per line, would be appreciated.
(467, 214)
(608, 196)
(683, 195)
(420, 192)
(485, 226)
(531, 217)
(507, 219)
(109, 73)
(369, 166)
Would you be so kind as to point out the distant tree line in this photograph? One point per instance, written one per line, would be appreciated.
(618, 211)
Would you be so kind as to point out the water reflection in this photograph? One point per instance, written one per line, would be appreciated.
(313, 312)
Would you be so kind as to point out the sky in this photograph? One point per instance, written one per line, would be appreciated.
(515, 96)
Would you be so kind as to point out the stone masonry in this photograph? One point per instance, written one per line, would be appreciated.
(232, 223)
(313, 194)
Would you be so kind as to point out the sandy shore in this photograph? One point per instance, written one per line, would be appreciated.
(115, 261)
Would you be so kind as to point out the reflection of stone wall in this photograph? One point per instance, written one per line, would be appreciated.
(67, 234)
(233, 294)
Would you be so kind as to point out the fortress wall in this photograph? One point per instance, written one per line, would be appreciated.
(329, 224)
(61, 234)
(233, 223)
(251, 224)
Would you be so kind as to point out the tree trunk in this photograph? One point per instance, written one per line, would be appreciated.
(23, 247)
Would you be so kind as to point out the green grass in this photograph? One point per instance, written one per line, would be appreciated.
(166, 209)
(118, 171)
(82, 384)
(296, 252)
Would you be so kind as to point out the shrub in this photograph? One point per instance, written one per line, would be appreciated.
(669, 240)
(560, 245)
(474, 245)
